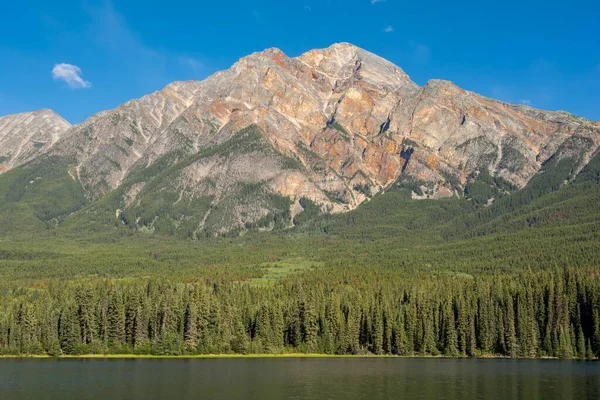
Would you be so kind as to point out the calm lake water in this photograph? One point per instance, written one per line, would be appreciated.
(392, 378)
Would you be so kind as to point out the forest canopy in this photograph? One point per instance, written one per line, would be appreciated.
(454, 277)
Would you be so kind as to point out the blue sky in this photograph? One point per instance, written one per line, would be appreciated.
(537, 52)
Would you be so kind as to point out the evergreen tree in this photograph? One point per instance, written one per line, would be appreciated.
(116, 320)
(69, 332)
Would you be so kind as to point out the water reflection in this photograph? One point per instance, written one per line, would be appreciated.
(375, 378)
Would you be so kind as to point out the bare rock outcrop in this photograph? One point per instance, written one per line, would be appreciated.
(26, 135)
(353, 122)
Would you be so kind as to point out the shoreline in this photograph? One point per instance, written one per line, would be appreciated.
(265, 356)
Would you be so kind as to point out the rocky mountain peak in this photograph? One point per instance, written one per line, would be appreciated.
(345, 60)
(262, 59)
(332, 126)
(26, 135)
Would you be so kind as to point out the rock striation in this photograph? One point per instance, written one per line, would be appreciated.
(26, 135)
(337, 125)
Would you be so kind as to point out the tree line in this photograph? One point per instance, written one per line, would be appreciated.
(554, 313)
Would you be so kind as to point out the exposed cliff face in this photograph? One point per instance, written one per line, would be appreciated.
(27, 135)
(338, 125)
(460, 132)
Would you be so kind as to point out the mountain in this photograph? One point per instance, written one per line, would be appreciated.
(274, 137)
(25, 136)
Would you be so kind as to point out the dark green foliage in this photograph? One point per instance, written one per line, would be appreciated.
(405, 182)
(68, 329)
(452, 179)
(342, 131)
(451, 277)
(512, 159)
(384, 286)
(485, 158)
(529, 314)
(247, 140)
(161, 207)
(364, 189)
(591, 172)
(482, 187)
(308, 152)
(114, 163)
(336, 197)
(553, 175)
(409, 142)
(290, 163)
(309, 212)
(278, 218)
(41, 192)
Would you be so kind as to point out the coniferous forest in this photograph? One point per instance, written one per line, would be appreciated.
(454, 277)
(532, 314)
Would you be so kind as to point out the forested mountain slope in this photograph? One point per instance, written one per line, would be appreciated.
(396, 276)
(317, 204)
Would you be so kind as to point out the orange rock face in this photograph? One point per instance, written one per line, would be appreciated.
(346, 115)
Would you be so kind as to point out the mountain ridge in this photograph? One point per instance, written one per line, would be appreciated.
(351, 123)
(24, 136)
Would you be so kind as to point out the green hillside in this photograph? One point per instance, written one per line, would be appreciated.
(452, 277)
(37, 197)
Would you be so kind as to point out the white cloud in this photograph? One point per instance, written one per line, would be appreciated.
(388, 29)
(71, 75)
(307, 8)
(376, 1)
(526, 102)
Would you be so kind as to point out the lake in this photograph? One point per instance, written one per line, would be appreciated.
(298, 378)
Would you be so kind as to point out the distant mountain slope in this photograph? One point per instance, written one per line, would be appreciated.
(213, 191)
(272, 137)
(26, 135)
(37, 196)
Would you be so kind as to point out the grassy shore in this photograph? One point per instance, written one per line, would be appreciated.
(198, 356)
(243, 356)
